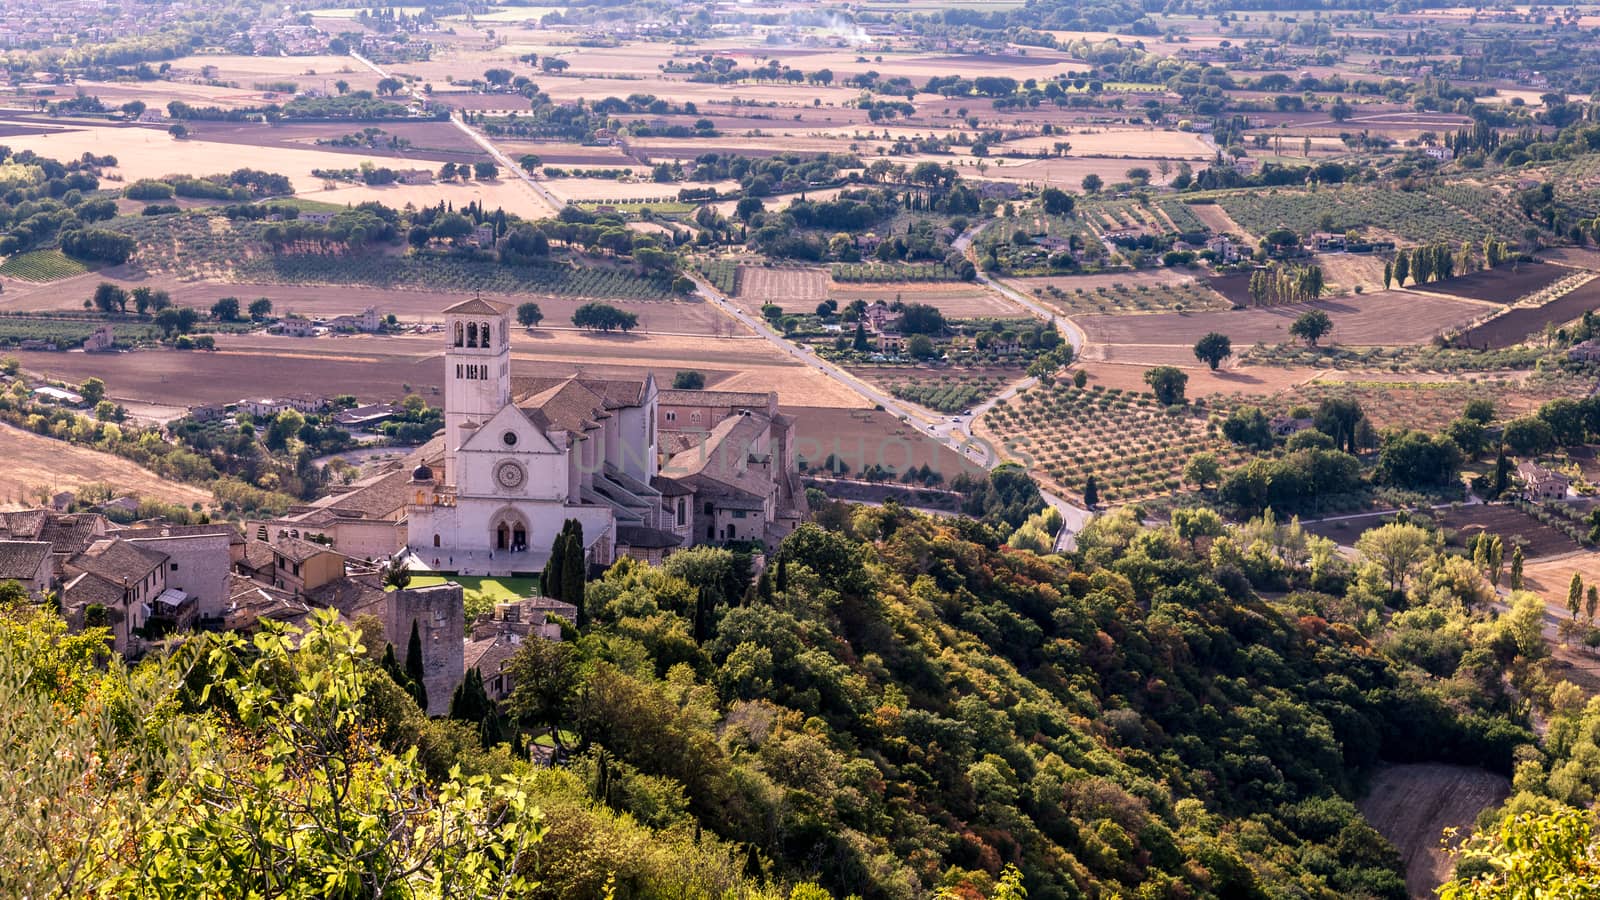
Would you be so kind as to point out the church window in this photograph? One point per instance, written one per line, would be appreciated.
(510, 438)
(694, 417)
(672, 417)
(682, 508)
(483, 335)
(458, 370)
(436, 540)
(459, 339)
(472, 334)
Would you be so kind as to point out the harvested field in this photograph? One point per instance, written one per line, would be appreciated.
(1537, 539)
(1068, 171)
(1412, 805)
(864, 437)
(1501, 285)
(313, 300)
(35, 463)
(1255, 381)
(795, 288)
(384, 368)
(1515, 325)
(1551, 577)
(1164, 289)
(1235, 286)
(1217, 219)
(1345, 272)
(1141, 142)
(1384, 318)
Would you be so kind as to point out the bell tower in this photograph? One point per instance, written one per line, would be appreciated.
(477, 371)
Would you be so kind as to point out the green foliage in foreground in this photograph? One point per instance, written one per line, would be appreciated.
(899, 707)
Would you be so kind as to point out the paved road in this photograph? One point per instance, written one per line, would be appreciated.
(506, 164)
(957, 435)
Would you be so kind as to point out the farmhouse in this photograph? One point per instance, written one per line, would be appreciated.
(367, 321)
(315, 218)
(522, 456)
(294, 326)
(414, 176)
(1539, 483)
(1223, 248)
(271, 406)
(1440, 153)
(1328, 242)
(1588, 351)
(1284, 426)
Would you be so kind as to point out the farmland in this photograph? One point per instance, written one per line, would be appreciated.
(37, 464)
(41, 266)
(1134, 447)
(1428, 403)
(1454, 212)
(947, 394)
(1134, 294)
(1516, 325)
(1412, 805)
(1463, 523)
(1503, 284)
(1385, 318)
(795, 289)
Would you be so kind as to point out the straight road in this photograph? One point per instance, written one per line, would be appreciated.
(501, 159)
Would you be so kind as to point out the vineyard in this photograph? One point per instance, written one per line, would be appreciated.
(857, 273)
(947, 394)
(722, 273)
(456, 275)
(65, 332)
(1120, 297)
(41, 266)
(1182, 217)
(1453, 212)
(1133, 446)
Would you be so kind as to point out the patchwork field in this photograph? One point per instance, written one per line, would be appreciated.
(382, 368)
(36, 464)
(1515, 325)
(1162, 289)
(1384, 318)
(147, 151)
(1503, 284)
(312, 300)
(956, 299)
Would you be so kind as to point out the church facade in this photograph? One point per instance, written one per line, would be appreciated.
(520, 456)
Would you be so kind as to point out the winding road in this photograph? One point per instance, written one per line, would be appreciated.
(955, 434)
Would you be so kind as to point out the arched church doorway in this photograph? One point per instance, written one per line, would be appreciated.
(510, 532)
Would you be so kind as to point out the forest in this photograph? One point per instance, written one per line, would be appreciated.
(897, 706)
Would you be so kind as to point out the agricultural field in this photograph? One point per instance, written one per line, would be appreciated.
(1516, 325)
(1413, 804)
(1134, 294)
(38, 465)
(1133, 446)
(956, 299)
(795, 288)
(41, 266)
(861, 438)
(1430, 404)
(1453, 212)
(1502, 284)
(1462, 524)
(856, 273)
(457, 275)
(1391, 318)
(948, 393)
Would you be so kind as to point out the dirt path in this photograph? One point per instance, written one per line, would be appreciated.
(1412, 805)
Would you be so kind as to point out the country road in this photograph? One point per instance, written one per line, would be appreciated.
(501, 159)
(958, 435)
(1073, 518)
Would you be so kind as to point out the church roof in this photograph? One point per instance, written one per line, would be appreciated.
(757, 400)
(614, 393)
(724, 446)
(566, 406)
(478, 306)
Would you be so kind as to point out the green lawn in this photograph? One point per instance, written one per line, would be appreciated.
(479, 595)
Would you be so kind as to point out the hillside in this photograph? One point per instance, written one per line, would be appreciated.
(898, 707)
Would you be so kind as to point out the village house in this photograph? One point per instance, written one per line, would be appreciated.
(1439, 153)
(878, 316)
(1540, 483)
(496, 638)
(1284, 426)
(28, 563)
(1223, 248)
(414, 176)
(368, 321)
(294, 326)
(1327, 242)
(1588, 351)
(267, 407)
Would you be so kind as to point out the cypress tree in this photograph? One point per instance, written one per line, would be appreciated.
(782, 581)
(392, 666)
(551, 580)
(1575, 595)
(517, 749)
(572, 572)
(1516, 568)
(490, 732)
(414, 670)
(860, 342)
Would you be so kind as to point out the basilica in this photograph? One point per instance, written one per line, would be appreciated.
(645, 470)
